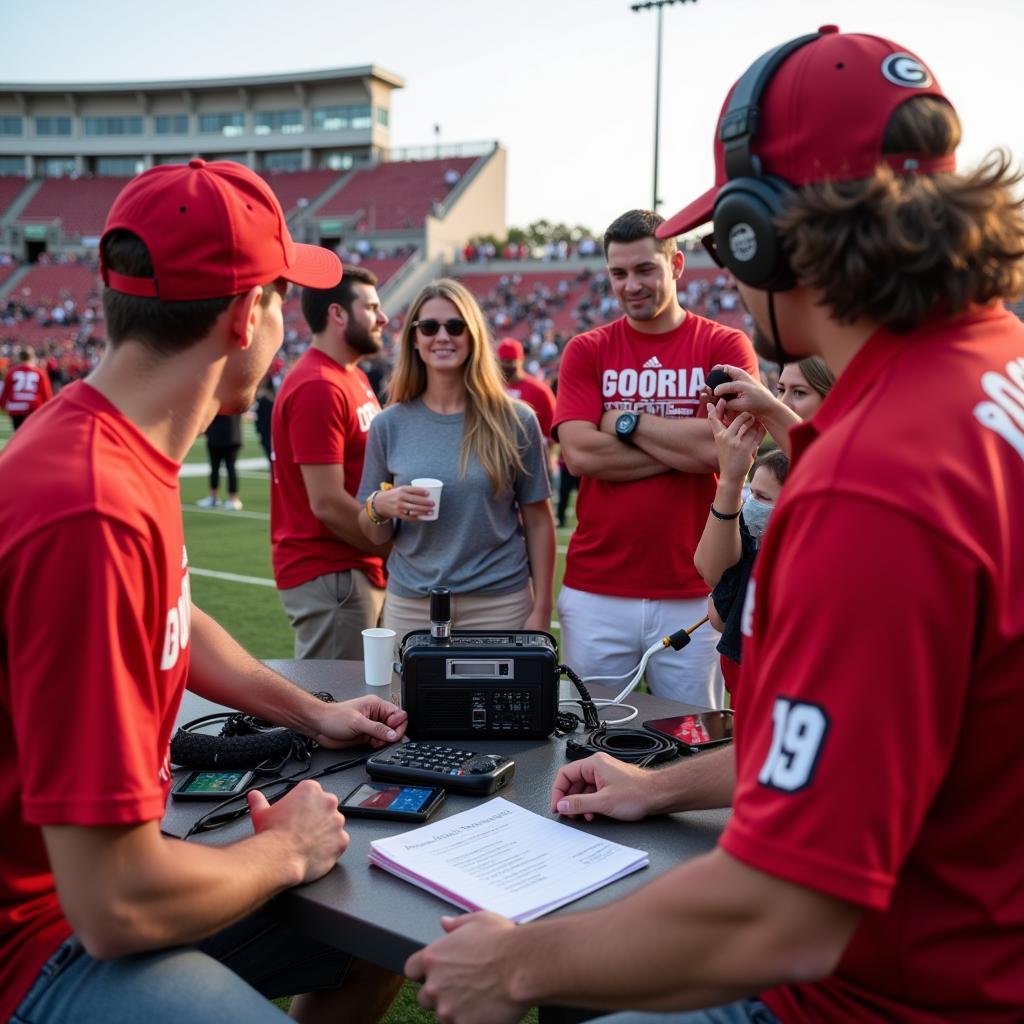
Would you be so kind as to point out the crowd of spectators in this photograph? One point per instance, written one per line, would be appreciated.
(543, 314)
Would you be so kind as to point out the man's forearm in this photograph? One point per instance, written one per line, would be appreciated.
(221, 670)
(701, 783)
(340, 515)
(605, 457)
(686, 444)
(710, 931)
(129, 890)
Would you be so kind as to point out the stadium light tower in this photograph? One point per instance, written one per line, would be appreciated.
(646, 5)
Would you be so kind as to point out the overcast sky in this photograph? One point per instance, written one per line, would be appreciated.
(567, 86)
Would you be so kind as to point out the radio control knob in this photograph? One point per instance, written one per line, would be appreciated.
(480, 765)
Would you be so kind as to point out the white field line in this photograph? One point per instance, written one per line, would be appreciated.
(231, 577)
(203, 468)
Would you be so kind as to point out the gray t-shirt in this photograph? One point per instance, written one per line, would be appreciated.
(476, 545)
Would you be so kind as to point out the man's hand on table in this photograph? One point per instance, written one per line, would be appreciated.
(308, 822)
(600, 784)
(465, 974)
(355, 722)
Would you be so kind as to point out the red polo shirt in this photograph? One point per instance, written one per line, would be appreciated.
(879, 753)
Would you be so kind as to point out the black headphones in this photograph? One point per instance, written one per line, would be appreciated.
(746, 240)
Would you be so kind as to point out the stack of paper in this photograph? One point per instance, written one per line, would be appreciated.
(501, 857)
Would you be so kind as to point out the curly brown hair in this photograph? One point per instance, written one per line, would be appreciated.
(900, 248)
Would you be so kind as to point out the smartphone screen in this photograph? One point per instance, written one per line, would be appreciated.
(212, 785)
(392, 800)
(705, 729)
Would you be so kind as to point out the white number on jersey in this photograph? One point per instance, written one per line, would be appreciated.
(1005, 412)
(798, 735)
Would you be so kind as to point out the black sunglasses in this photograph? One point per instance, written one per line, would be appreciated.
(428, 328)
(708, 241)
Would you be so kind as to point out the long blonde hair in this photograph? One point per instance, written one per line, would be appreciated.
(492, 431)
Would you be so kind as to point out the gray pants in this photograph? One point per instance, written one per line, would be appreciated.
(330, 613)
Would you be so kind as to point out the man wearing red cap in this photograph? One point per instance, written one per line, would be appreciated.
(871, 870)
(632, 428)
(519, 384)
(102, 917)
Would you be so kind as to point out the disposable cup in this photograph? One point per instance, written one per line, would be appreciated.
(378, 656)
(434, 486)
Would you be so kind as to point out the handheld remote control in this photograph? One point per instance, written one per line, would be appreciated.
(452, 768)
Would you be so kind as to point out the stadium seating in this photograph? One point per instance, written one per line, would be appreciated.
(10, 188)
(80, 204)
(395, 196)
(51, 282)
(291, 187)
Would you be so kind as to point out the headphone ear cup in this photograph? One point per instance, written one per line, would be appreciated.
(746, 240)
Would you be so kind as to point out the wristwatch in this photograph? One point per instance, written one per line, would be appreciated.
(625, 425)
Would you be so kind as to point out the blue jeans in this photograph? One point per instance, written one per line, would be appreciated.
(226, 979)
(746, 1011)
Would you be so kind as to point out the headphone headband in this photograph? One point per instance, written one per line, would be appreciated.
(742, 119)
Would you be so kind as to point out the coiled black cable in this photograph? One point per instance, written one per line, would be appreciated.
(635, 746)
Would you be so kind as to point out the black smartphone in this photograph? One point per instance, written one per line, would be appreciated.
(695, 732)
(212, 785)
(392, 800)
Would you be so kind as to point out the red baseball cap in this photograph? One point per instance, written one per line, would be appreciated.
(509, 350)
(212, 230)
(823, 117)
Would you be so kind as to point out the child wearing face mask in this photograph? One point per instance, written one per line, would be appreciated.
(735, 526)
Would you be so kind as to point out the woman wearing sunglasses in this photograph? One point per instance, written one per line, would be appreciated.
(449, 418)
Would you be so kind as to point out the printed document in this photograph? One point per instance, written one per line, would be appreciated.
(501, 857)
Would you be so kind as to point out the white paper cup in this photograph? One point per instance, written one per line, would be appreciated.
(434, 486)
(378, 656)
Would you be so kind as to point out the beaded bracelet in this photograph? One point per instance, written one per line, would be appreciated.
(371, 510)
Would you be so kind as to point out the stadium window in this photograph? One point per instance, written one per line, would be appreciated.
(12, 166)
(288, 122)
(382, 116)
(57, 167)
(119, 166)
(237, 158)
(11, 125)
(170, 124)
(339, 119)
(53, 126)
(336, 161)
(286, 160)
(112, 125)
(222, 124)
(361, 118)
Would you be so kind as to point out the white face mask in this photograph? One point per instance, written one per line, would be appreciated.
(755, 516)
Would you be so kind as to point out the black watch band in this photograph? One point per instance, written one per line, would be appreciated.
(625, 426)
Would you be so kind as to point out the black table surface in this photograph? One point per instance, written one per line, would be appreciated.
(367, 912)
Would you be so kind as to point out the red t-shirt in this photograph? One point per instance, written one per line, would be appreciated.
(879, 753)
(96, 615)
(322, 415)
(25, 389)
(637, 538)
(538, 396)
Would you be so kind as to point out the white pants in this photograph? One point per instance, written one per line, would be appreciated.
(605, 636)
